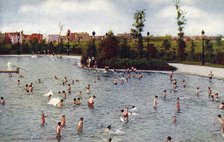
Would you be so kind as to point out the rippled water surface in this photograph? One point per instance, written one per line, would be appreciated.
(20, 117)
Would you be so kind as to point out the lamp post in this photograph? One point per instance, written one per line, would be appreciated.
(148, 45)
(94, 47)
(18, 46)
(203, 50)
(68, 45)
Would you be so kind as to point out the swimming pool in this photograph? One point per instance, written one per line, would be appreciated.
(20, 117)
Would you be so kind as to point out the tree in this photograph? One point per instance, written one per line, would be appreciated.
(136, 32)
(181, 21)
(219, 40)
(209, 50)
(60, 46)
(60, 26)
(124, 49)
(192, 50)
(166, 44)
(109, 47)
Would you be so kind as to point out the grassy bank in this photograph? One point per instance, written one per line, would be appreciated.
(199, 63)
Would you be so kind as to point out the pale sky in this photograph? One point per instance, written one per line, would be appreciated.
(43, 16)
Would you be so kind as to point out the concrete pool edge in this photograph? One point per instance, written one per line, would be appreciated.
(198, 70)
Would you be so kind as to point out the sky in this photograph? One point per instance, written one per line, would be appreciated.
(44, 16)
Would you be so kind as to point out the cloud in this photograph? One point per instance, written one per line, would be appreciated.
(103, 15)
(66, 7)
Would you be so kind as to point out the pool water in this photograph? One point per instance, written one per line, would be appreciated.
(20, 117)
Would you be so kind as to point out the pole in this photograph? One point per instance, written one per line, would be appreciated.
(68, 46)
(203, 50)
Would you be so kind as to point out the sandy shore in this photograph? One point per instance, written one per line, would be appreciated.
(198, 70)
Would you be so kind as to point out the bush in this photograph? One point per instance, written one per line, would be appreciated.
(142, 64)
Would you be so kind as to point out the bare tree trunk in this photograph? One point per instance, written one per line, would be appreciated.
(60, 30)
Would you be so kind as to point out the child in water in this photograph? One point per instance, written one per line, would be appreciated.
(43, 119)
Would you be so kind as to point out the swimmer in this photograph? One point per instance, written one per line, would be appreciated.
(69, 88)
(65, 79)
(49, 97)
(27, 88)
(63, 121)
(39, 80)
(221, 121)
(58, 130)
(174, 119)
(30, 89)
(91, 102)
(64, 94)
(88, 89)
(197, 91)
(43, 119)
(209, 92)
(55, 77)
(210, 75)
(60, 104)
(2, 101)
(140, 76)
(73, 82)
(115, 81)
(109, 140)
(78, 102)
(171, 76)
(80, 94)
(18, 82)
(178, 104)
(221, 106)
(74, 101)
(174, 84)
(155, 102)
(216, 96)
(108, 129)
(184, 83)
(80, 125)
(168, 139)
(125, 114)
(164, 94)
(133, 108)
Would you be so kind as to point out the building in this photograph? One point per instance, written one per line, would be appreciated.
(2, 37)
(50, 38)
(82, 36)
(125, 35)
(33, 36)
(13, 37)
